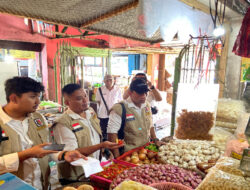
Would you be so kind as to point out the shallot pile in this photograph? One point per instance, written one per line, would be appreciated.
(156, 173)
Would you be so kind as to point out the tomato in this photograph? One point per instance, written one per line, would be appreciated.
(110, 172)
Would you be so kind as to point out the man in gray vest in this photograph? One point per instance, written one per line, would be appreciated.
(138, 128)
(78, 128)
(24, 133)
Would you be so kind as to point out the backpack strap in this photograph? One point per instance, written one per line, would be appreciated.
(121, 130)
(106, 106)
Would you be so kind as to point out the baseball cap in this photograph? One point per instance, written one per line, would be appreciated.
(139, 86)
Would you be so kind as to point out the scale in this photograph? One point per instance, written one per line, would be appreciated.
(245, 161)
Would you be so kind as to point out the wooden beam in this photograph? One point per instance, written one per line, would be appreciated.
(223, 60)
(199, 6)
(30, 26)
(26, 46)
(64, 29)
(149, 64)
(161, 74)
(114, 12)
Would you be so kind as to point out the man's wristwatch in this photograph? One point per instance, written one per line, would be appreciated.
(63, 155)
(155, 140)
(152, 87)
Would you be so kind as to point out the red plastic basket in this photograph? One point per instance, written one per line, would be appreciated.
(169, 186)
(106, 182)
(131, 151)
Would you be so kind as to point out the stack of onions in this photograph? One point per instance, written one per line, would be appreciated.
(154, 173)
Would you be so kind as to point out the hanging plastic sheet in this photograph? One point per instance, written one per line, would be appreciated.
(172, 17)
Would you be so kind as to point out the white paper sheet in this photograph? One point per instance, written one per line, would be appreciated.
(90, 166)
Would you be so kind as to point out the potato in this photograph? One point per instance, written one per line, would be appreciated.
(85, 187)
(69, 188)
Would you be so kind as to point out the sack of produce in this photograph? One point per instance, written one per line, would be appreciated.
(228, 110)
(132, 185)
(220, 137)
(195, 125)
(220, 180)
(229, 165)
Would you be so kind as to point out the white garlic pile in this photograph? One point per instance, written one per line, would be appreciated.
(188, 153)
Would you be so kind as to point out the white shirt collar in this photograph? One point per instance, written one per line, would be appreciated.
(132, 105)
(4, 117)
(74, 115)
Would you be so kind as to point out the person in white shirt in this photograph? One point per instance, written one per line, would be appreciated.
(22, 130)
(107, 96)
(78, 128)
(153, 95)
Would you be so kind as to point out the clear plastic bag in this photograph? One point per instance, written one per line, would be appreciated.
(235, 147)
(229, 165)
(228, 110)
(200, 103)
(241, 125)
(220, 137)
(220, 180)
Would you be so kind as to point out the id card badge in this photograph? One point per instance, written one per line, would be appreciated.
(53, 168)
(53, 178)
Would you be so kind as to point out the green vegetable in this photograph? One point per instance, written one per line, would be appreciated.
(152, 147)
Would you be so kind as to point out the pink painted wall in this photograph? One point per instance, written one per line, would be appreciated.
(13, 28)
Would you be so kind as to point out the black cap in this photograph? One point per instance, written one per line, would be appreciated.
(139, 86)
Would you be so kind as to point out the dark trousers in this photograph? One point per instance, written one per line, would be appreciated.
(104, 125)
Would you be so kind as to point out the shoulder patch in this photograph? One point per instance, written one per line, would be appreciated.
(40, 125)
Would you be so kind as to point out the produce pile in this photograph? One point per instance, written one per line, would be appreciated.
(188, 153)
(81, 187)
(228, 112)
(132, 185)
(220, 137)
(156, 173)
(152, 147)
(195, 125)
(225, 175)
(111, 171)
(142, 156)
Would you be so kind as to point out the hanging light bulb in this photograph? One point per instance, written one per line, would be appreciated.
(219, 31)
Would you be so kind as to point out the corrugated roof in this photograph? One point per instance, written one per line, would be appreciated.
(92, 14)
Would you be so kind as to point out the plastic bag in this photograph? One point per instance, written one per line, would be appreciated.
(220, 137)
(220, 180)
(241, 125)
(229, 165)
(228, 110)
(235, 147)
(195, 125)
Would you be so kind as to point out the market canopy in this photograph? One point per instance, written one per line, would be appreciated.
(106, 16)
(150, 21)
